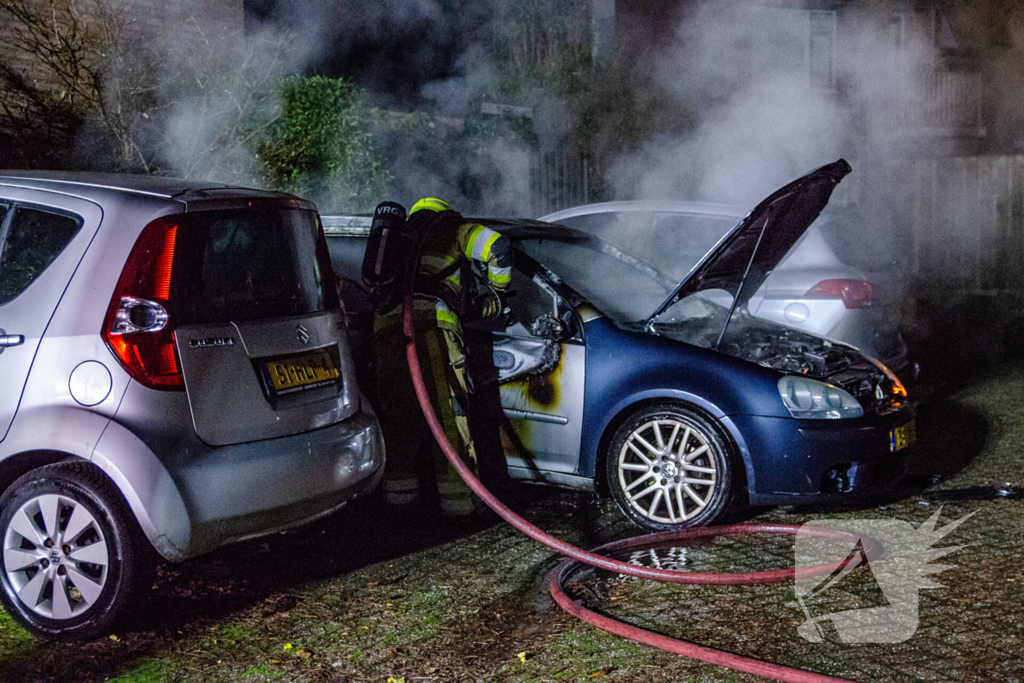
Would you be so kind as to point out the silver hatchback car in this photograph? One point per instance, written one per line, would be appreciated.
(174, 372)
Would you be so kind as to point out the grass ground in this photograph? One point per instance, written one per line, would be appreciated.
(364, 596)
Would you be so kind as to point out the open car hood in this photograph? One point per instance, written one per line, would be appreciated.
(743, 259)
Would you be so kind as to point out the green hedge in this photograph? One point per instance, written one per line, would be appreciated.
(320, 147)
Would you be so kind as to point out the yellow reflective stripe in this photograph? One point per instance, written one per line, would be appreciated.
(444, 315)
(431, 204)
(447, 317)
(500, 278)
(457, 507)
(474, 234)
(485, 253)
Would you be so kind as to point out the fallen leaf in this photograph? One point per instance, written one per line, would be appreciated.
(372, 583)
(114, 638)
(522, 657)
(304, 654)
(287, 646)
(430, 670)
(602, 672)
(275, 661)
(345, 633)
(392, 679)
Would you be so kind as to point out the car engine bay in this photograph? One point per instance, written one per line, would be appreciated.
(794, 353)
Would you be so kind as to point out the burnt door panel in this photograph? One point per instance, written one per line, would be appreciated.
(541, 373)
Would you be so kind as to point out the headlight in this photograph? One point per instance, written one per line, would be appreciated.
(810, 399)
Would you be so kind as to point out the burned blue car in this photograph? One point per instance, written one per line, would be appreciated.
(670, 396)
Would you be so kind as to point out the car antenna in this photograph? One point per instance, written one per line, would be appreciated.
(736, 299)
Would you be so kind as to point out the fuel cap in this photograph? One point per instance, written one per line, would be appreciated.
(90, 383)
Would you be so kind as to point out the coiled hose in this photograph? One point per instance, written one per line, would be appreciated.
(576, 556)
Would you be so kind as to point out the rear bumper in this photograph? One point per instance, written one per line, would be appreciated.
(190, 497)
(799, 462)
(248, 490)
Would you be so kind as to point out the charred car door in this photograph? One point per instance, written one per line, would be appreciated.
(540, 361)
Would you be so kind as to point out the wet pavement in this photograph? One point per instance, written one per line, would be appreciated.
(367, 596)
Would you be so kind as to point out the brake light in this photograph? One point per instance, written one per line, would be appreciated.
(137, 325)
(854, 293)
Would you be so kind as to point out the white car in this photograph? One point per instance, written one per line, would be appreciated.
(828, 285)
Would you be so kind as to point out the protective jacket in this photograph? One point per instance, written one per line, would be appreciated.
(440, 342)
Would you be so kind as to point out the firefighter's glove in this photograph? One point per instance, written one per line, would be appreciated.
(492, 312)
(488, 306)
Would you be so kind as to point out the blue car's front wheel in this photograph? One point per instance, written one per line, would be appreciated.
(669, 467)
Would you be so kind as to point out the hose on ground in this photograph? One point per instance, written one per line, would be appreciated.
(578, 556)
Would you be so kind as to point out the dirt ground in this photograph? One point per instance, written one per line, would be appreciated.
(364, 596)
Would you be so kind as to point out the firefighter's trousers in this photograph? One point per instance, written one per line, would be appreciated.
(412, 451)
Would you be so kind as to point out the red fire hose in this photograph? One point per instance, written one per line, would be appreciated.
(593, 558)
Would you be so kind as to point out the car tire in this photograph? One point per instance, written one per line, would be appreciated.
(72, 552)
(669, 466)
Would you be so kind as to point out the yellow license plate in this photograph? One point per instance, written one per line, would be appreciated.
(302, 372)
(903, 436)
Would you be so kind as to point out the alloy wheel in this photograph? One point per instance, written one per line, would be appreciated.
(666, 471)
(55, 556)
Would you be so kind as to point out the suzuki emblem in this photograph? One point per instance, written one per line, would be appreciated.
(301, 333)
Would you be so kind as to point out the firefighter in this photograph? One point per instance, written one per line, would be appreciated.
(442, 298)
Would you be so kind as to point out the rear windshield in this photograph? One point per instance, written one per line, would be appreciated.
(250, 264)
(858, 241)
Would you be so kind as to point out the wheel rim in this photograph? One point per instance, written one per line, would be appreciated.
(667, 472)
(55, 556)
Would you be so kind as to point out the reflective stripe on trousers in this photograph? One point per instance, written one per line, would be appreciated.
(401, 491)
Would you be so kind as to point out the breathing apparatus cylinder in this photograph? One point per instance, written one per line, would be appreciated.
(388, 249)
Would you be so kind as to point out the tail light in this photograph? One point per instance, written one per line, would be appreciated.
(137, 326)
(854, 293)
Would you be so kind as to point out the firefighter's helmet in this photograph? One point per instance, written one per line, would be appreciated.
(431, 204)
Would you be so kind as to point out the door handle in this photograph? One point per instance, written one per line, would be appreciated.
(11, 339)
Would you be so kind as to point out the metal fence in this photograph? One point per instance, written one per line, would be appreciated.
(562, 178)
(950, 101)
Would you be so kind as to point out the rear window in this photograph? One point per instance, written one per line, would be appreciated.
(859, 242)
(679, 241)
(250, 264)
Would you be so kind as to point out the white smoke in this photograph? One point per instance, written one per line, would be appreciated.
(769, 104)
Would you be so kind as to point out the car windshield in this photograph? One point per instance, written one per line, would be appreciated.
(621, 290)
(674, 242)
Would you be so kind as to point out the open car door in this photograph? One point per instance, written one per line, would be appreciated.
(541, 366)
